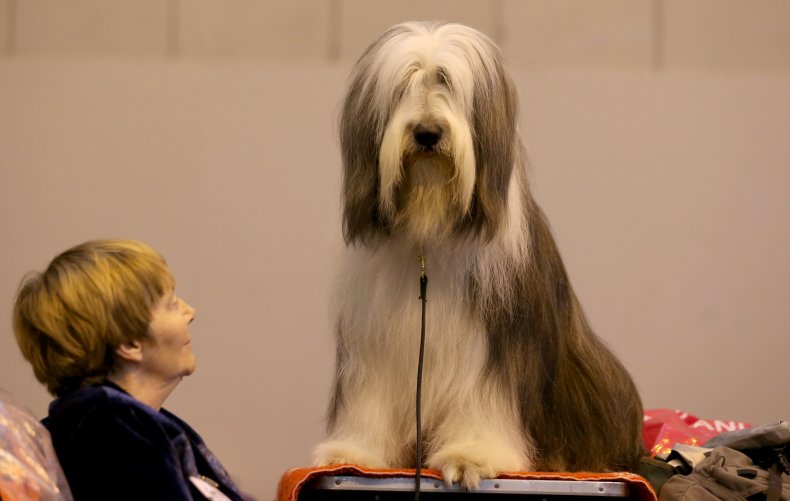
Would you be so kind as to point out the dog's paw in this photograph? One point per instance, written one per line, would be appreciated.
(466, 472)
(341, 452)
(469, 463)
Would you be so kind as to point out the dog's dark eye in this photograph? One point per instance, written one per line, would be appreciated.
(442, 77)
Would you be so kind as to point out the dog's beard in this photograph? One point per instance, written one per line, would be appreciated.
(427, 203)
(426, 187)
(426, 191)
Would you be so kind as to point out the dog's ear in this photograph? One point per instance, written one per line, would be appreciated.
(359, 141)
(496, 145)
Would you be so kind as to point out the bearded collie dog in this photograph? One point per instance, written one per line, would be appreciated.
(514, 378)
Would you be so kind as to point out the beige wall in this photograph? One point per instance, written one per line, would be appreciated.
(658, 131)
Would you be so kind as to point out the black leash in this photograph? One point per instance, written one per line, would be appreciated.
(424, 299)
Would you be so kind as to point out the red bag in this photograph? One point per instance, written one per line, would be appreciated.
(664, 428)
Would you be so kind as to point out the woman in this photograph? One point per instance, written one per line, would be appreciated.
(106, 333)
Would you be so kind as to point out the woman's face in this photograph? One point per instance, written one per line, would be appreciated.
(167, 355)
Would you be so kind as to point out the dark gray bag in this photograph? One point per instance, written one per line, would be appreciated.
(749, 464)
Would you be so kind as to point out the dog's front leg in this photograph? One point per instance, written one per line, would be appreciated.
(480, 439)
(365, 432)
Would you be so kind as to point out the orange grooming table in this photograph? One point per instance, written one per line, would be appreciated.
(357, 483)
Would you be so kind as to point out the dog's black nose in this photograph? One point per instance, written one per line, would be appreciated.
(427, 136)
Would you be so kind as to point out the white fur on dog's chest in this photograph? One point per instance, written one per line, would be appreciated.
(380, 313)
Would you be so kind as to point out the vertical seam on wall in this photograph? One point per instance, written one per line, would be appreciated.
(498, 24)
(171, 29)
(658, 35)
(333, 44)
(10, 22)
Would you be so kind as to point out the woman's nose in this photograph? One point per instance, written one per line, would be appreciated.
(190, 311)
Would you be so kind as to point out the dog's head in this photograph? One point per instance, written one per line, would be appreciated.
(428, 135)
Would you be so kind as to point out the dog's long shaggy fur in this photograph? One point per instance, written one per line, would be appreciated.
(514, 377)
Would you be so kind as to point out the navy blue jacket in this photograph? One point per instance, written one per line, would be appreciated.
(112, 446)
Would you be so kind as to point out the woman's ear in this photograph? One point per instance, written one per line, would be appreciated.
(131, 351)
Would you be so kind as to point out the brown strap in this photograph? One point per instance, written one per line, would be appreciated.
(775, 483)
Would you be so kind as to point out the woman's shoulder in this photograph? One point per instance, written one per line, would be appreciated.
(101, 410)
(105, 438)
